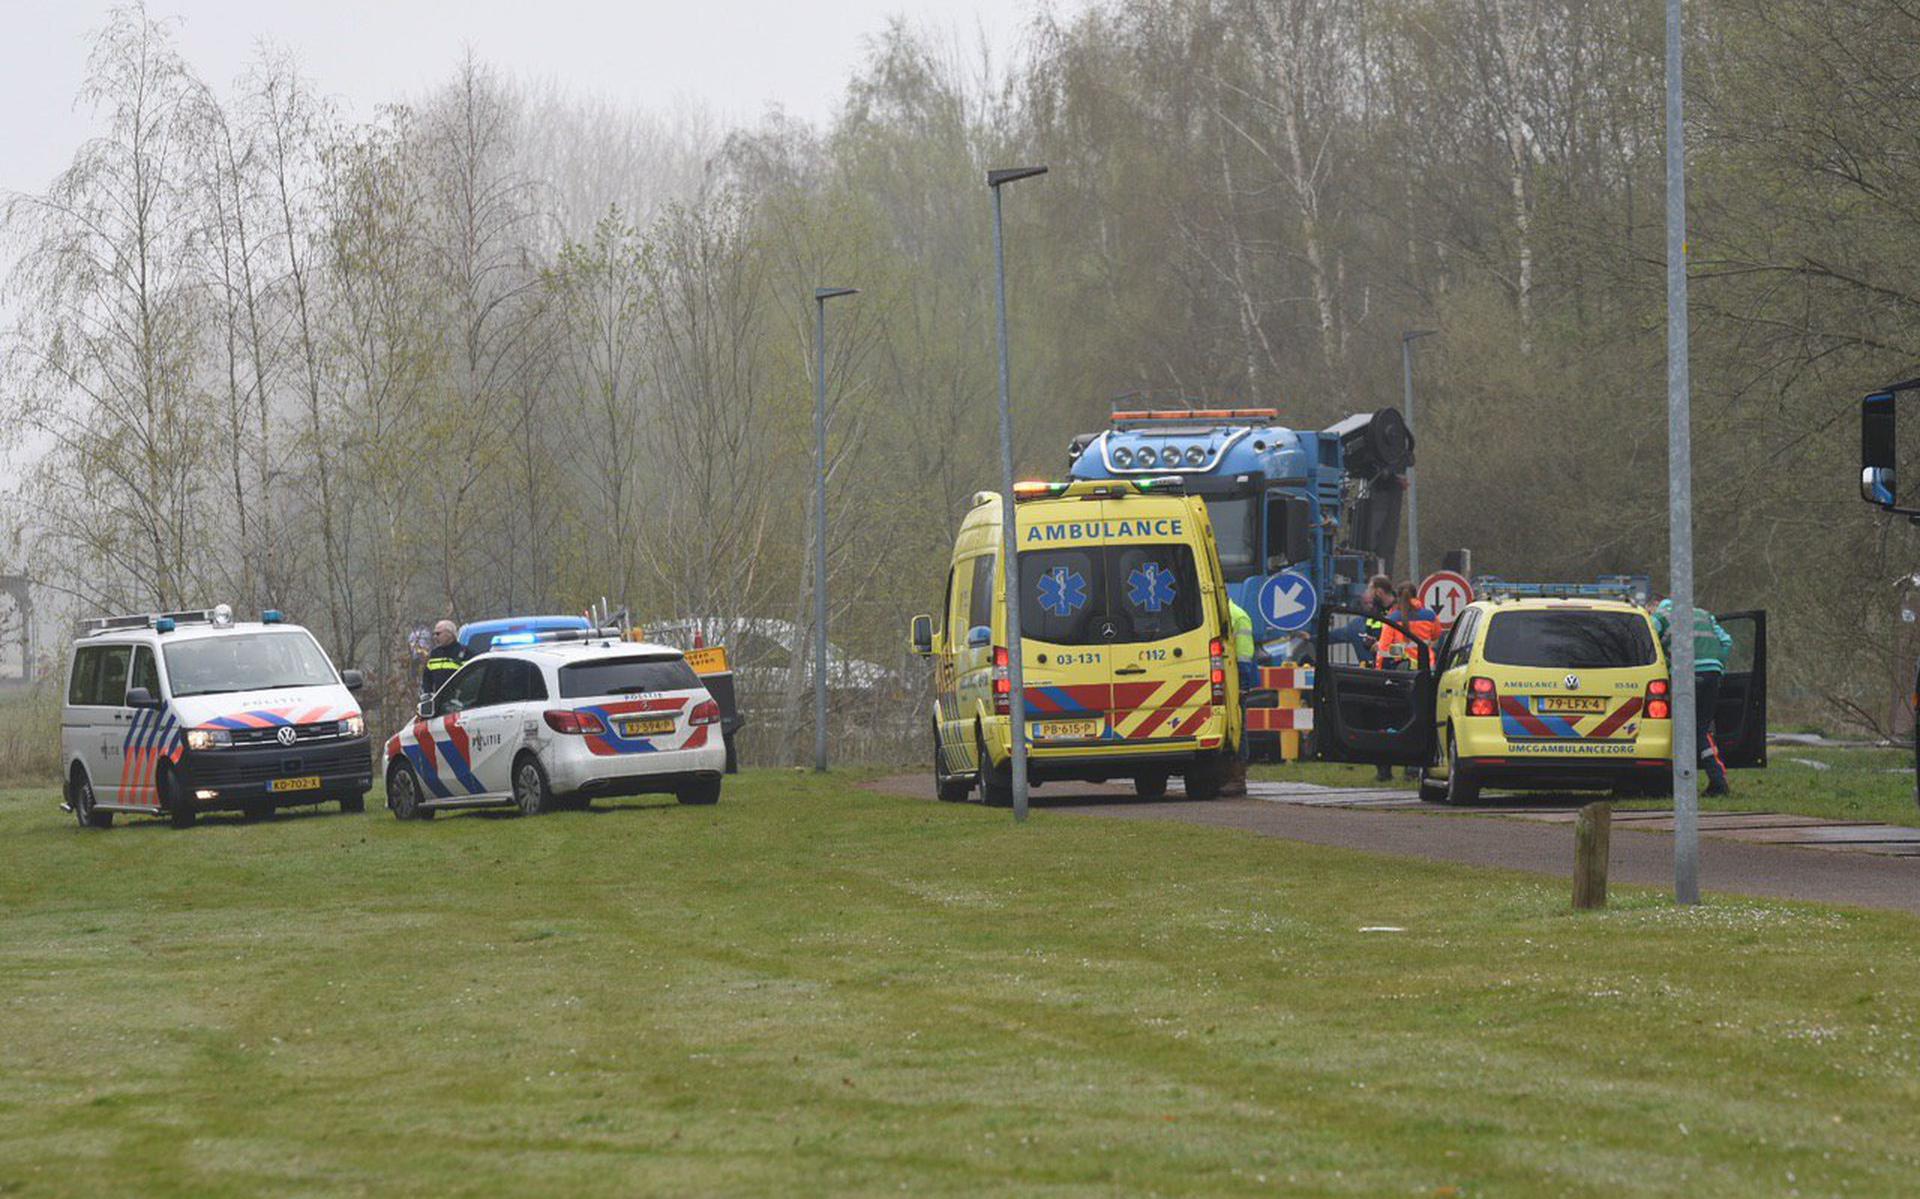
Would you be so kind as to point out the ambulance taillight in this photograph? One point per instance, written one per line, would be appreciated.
(1483, 698)
(1217, 663)
(1002, 682)
(1659, 700)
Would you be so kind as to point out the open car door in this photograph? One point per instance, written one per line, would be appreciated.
(1740, 714)
(1364, 714)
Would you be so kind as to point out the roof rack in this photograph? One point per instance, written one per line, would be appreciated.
(1633, 589)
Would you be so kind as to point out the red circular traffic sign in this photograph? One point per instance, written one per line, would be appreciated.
(1448, 593)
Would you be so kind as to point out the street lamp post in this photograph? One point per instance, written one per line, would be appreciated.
(1413, 495)
(820, 297)
(1009, 542)
(1686, 761)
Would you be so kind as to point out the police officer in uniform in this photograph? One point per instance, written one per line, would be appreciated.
(444, 657)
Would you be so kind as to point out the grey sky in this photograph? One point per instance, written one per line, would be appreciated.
(736, 56)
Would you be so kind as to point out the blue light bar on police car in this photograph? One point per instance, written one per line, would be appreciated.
(514, 639)
(271, 616)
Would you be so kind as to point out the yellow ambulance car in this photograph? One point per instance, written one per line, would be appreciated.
(1125, 631)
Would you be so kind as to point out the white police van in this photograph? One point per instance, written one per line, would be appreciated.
(179, 713)
(575, 716)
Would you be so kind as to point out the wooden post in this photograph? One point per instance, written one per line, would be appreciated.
(1590, 836)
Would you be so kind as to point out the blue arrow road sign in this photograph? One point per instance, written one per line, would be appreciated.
(1288, 601)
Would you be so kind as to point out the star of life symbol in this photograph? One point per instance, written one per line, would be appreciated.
(1063, 592)
(1150, 588)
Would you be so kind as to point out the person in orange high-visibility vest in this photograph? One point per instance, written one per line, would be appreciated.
(1396, 651)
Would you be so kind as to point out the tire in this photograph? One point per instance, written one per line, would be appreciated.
(1206, 777)
(1462, 791)
(948, 788)
(1150, 784)
(354, 803)
(403, 794)
(85, 805)
(531, 793)
(996, 786)
(700, 792)
(180, 810)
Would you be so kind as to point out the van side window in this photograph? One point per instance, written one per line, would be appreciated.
(980, 612)
(144, 673)
(100, 676)
(1462, 648)
(956, 603)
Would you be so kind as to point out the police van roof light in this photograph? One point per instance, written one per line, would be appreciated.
(163, 624)
(271, 616)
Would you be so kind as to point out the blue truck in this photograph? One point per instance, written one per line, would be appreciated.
(1287, 504)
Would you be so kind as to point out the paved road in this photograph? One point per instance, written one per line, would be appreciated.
(1638, 855)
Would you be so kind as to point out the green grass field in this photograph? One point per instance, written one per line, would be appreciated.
(1840, 784)
(815, 988)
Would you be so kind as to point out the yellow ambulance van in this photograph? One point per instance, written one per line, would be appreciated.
(1125, 629)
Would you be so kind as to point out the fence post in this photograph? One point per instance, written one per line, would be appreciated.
(1591, 832)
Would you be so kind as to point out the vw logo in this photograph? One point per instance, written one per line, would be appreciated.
(287, 734)
(1573, 682)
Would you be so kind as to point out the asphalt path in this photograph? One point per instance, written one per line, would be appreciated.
(1638, 856)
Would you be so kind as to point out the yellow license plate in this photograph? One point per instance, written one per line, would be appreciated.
(647, 728)
(1575, 704)
(1069, 730)
(306, 782)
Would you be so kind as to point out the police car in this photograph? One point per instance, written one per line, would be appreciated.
(575, 716)
(178, 713)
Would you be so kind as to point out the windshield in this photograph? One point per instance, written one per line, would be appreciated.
(1235, 527)
(1569, 639)
(626, 676)
(247, 662)
(1108, 594)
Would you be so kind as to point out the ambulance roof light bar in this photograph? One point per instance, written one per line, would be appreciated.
(1633, 589)
(1094, 489)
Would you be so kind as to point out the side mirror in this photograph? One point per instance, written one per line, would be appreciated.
(352, 680)
(140, 697)
(921, 635)
(979, 635)
(423, 709)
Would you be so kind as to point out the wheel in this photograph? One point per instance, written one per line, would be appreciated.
(85, 806)
(1150, 784)
(530, 791)
(996, 786)
(1461, 790)
(403, 794)
(1206, 777)
(700, 791)
(179, 809)
(354, 802)
(950, 788)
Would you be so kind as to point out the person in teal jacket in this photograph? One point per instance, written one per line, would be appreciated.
(1711, 646)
